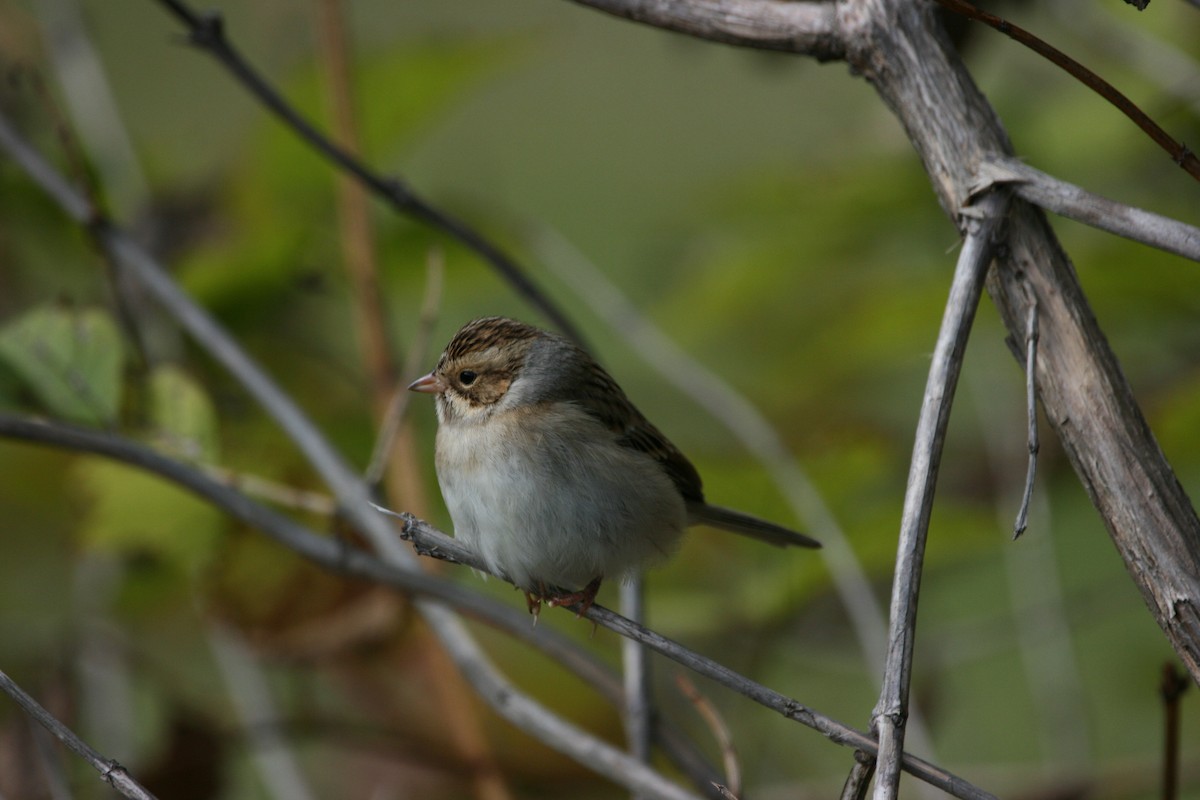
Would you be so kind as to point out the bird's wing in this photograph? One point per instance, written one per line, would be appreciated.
(605, 400)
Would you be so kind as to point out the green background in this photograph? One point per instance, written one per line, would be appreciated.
(764, 211)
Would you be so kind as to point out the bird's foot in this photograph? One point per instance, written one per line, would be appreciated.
(533, 602)
(584, 598)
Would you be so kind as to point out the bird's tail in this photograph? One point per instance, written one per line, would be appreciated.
(727, 519)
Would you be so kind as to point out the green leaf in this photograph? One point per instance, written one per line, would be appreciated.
(134, 513)
(182, 417)
(71, 359)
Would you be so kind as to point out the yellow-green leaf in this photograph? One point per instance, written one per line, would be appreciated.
(70, 359)
(132, 512)
(182, 417)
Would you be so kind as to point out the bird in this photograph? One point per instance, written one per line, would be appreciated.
(552, 475)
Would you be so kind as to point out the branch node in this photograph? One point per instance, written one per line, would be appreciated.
(208, 30)
(112, 771)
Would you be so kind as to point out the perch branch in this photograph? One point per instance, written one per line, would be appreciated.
(207, 32)
(340, 558)
(113, 773)
(352, 494)
(432, 542)
(1075, 203)
(891, 712)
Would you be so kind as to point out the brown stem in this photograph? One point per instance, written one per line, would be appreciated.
(404, 477)
(1177, 150)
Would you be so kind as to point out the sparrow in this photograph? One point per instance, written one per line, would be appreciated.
(552, 475)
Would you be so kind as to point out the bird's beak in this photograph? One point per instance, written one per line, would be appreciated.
(429, 384)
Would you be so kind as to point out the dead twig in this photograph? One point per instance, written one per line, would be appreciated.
(891, 712)
(1031, 341)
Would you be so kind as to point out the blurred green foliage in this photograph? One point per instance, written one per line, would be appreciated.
(766, 212)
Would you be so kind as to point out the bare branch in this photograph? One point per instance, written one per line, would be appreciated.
(1173, 685)
(1031, 340)
(732, 409)
(207, 31)
(638, 710)
(351, 493)
(1081, 205)
(806, 27)
(112, 772)
(1086, 398)
(858, 782)
(891, 712)
(342, 558)
(1179, 152)
(716, 724)
(255, 707)
(393, 416)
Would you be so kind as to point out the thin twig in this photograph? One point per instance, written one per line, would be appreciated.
(356, 230)
(49, 763)
(638, 710)
(1157, 60)
(858, 782)
(112, 772)
(512, 704)
(247, 686)
(737, 414)
(1179, 153)
(338, 557)
(1073, 202)
(732, 409)
(720, 731)
(88, 97)
(890, 714)
(389, 427)
(207, 31)
(274, 492)
(1031, 345)
(1035, 593)
(1174, 684)
(433, 543)
(804, 26)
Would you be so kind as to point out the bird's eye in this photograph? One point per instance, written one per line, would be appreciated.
(467, 377)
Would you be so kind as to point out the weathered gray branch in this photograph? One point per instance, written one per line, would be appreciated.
(1073, 202)
(899, 48)
(340, 557)
(902, 51)
(112, 772)
(513, 705)
(795, 27)
(891, 713)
